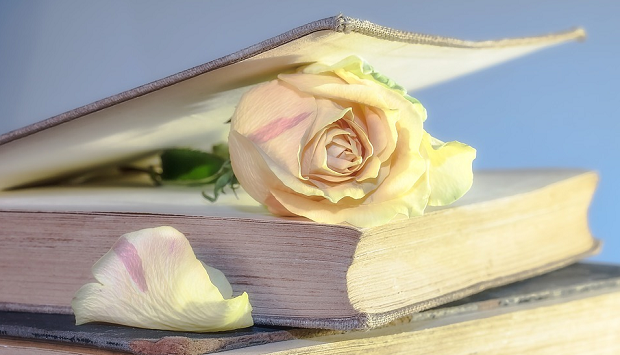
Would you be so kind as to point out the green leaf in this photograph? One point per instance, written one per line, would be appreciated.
(193, 167)
(221, 150)
(190, 166)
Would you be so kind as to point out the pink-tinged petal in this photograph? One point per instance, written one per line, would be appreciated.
(278, 179)
(276, 118)
(450, 169)
(278, 127)
(260, 175)
(343, 143)
(336, 175)
(268, 103)
(250, 168)
(358, 114)
(152, 279)
(128, 255)
(314, 155)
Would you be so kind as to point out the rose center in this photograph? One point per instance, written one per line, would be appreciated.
(344, 151)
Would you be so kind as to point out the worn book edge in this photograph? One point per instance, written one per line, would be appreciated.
(374, 320)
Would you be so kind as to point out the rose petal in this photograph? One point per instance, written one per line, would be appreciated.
(152, 279)
(342, 165)
(366, 92)
(330, 180)
(347, 189)
(450, 169)
(406, 168)
(370, 170)
(372, 95)
(313, 153)
(412, 203)
(276, 118)
(354, 70)
(333, 88)
(328, 112)
(250, 168)
(259, 174)
(218, 279)
(382, 131)
(363, 146)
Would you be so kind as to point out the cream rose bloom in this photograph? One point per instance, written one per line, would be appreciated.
(342, 143)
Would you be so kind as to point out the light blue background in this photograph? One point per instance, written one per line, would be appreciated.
(556, 108)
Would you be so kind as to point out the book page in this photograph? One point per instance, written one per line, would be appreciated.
(488, 185)
(192, 113)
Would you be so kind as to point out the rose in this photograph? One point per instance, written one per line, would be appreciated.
(342, 143)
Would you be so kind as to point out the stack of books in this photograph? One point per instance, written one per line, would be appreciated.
(495, 272)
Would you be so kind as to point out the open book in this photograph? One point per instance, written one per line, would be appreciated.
(512, 225)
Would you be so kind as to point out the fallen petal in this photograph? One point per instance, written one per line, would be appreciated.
(152, 279)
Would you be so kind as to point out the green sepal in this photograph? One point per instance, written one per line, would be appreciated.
(226, 177)
(411, 99)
